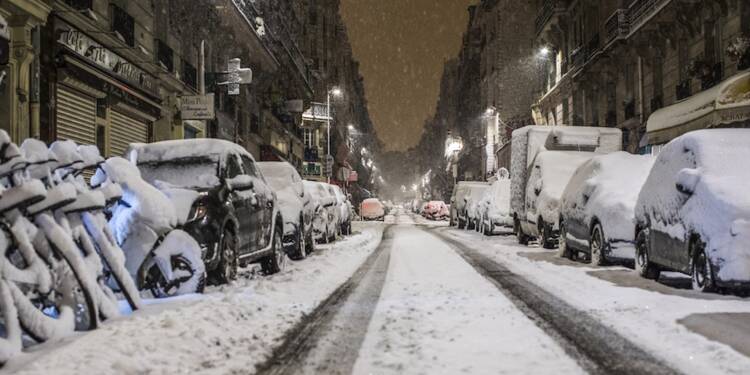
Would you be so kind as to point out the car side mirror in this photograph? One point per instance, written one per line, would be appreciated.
(687, 180)
(242, 182)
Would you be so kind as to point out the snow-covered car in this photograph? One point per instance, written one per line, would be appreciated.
(461, 191)
(325, 220)
(471, 211)
(344, 207)
(435, 210)
(597, 208)
(221, 199)
(297, 210)
(372, 209)
(494, 207)
(693, 212)
(550, 174)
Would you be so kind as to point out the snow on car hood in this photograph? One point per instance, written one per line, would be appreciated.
(710, 164)
(182, 199)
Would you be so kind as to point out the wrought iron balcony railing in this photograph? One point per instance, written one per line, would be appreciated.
(640, 11)
(617, 26)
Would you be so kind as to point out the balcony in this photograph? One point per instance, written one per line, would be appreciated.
(617, 26)
(640, 11)
(547, 11)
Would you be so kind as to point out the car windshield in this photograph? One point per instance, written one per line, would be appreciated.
(194, 172)
(278, 177)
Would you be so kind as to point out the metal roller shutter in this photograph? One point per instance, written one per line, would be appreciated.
(76, 116)
(125, 130)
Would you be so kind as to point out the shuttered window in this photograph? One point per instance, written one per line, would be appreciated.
(125, 130)
(76, 116)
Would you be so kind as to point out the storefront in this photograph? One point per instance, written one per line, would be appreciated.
(100, 97)
(725, 105)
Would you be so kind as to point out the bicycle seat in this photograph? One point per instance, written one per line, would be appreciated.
(58, 196)
(24, 195)
(41, 160)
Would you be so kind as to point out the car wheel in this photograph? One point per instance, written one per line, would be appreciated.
(702, 271)
(563, 251)
(276, 261)
(522, 238)
(546, 232)
(310, 243)
(461, 224)
(643, 265)
(596, 246)
(227, 270)
(299, 251)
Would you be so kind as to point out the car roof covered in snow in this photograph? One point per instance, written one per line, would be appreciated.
(182, 148)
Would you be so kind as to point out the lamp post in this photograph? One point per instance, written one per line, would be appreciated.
(336, 92)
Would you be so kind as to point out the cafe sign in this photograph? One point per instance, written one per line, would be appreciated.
(197, 107)
(95, 53)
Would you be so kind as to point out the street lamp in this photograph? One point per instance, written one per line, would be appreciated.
(336, 92)
(544, 52)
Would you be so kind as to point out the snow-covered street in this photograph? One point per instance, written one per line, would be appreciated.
(410, 296)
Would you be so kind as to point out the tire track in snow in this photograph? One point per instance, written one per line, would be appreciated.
(597, 348)
(328, 340)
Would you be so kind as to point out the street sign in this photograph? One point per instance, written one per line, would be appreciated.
(236, 75)
(197, 107)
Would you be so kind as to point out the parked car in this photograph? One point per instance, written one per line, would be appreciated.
(597, 208)
(222, 201)
(372, 209)
(326, 216)
(435, 210)
(344, 207)
(458, 201)
(471, 210)
(494, 207)
(537, 181)
(693, 212)
(296, 207)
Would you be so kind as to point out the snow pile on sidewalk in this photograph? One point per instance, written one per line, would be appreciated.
(228, 330)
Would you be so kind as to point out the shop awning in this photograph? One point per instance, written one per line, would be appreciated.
(728, 103)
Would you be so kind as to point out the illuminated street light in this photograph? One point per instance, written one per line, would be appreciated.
(544, 52)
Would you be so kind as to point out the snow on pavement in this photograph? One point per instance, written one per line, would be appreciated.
(438, 315)
(648, 318)
(228, 330)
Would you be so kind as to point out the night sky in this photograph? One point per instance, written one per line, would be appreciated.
(401, 46)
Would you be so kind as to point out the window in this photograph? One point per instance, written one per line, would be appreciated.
(250, 168)
(165, 56)
(123, 25)
(233, 166)
(80, 4)
(189, 74)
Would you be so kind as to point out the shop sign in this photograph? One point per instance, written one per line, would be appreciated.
(100, 56)
(197, 107)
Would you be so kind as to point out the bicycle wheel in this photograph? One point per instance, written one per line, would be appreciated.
(113, 259)
(10, 329)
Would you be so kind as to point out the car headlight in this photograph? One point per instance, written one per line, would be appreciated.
(199, 212)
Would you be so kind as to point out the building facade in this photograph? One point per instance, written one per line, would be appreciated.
(617, 63)
(114, 72)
